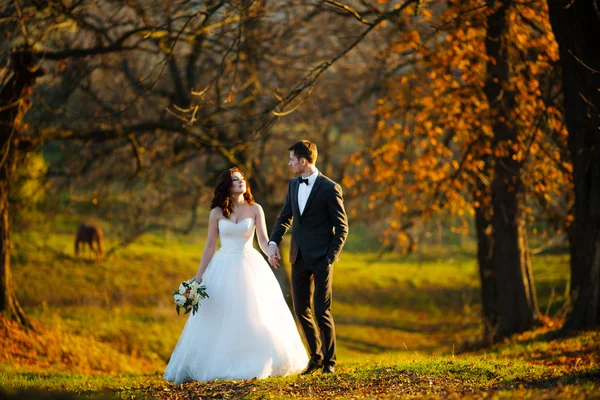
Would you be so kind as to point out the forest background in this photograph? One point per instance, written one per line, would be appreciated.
(464, 133)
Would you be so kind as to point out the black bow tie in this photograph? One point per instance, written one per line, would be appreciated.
(304, 180)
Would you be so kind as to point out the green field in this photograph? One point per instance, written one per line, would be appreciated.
(405, 326)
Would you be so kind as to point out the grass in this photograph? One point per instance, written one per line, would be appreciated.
(406, 326)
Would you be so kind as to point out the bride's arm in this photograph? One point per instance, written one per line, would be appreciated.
(211, 242)
(261, 229)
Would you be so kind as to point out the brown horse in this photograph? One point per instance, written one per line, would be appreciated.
(89, 234)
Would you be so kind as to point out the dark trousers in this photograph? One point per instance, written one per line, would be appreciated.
(322, 347)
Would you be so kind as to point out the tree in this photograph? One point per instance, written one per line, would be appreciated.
(516, 306)
(24, 69)
(576, 26)
(144, 93)
(441, 144)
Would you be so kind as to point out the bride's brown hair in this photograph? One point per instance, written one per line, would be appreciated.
(223, 192)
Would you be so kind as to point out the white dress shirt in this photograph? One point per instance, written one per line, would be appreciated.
(304, 190)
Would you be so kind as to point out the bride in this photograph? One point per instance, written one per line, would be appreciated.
(245, 328)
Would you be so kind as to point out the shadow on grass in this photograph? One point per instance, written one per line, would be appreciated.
(437, 301)
(364, 346)
(407, 326)
(423, 299)
(46, 395)
(574, 379)
(560, 334)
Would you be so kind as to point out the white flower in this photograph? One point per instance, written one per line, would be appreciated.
(179, 300)
(182, 287)
(194, 286)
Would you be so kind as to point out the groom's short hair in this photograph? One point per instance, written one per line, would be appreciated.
(305, 149)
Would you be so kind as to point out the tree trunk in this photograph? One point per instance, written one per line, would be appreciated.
(574, 280)
(516, 301)
(14, 104)
(576, 26)
(483, 227)
(9, 306)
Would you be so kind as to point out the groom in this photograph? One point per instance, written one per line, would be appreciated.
(314, 209)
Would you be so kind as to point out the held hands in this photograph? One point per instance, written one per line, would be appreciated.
(274, 255)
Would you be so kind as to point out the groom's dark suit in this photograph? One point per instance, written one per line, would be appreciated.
(318, 236)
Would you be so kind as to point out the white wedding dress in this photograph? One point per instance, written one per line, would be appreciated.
(245, 328)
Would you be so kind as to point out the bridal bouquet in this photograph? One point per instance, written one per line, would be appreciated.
(188, 296)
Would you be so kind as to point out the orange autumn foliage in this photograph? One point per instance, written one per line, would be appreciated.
(434, 131)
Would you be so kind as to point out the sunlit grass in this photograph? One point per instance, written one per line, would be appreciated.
(405, 325)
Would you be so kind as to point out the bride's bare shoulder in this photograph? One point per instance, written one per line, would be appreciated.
(216, 213)
(258, 212)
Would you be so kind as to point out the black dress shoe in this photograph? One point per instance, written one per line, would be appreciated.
(328, 369)
(311, 368)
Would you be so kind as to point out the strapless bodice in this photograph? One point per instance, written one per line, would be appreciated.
(236, 237)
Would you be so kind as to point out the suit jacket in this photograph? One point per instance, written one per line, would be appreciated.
(321, 231)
